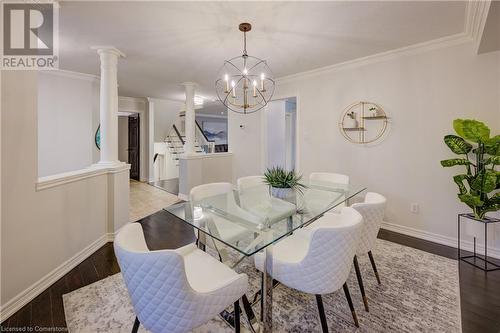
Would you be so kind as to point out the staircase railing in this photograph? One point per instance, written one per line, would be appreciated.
(178, 134)
(202, 132)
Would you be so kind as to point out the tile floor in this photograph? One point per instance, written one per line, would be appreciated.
(146, 200)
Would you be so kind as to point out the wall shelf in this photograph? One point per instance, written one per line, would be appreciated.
(354, 124)
(375, 117)
(354, 129)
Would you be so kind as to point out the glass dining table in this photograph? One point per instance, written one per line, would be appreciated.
(252, 220)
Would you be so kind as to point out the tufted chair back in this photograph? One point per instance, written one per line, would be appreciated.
(157, 283)
(372, 210)
(336, 178)
(318, 200)
(328, 259)
(250, 181)
(252, 189)
(208, 190)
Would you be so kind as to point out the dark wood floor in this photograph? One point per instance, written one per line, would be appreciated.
(480, 292)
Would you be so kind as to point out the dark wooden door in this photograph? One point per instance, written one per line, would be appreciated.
(133, 146)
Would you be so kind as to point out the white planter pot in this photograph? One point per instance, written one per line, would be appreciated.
(287, 194)
(350, 123)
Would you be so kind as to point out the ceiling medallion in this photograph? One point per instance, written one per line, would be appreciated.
(245, 83)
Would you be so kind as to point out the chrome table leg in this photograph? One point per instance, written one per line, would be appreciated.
(268, 291)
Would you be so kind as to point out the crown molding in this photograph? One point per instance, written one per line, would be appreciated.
(476, 14)
(209, 115)
(434, 44)
(72, 75)
(133, 99)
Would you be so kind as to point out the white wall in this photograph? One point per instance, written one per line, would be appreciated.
(68, 106)
(48, 226)
(422, 93)
(123, 139)
(246, 135)
(275, 138)
(166, 113)
(202, 169)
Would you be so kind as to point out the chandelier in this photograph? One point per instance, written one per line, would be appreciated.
(245, 83)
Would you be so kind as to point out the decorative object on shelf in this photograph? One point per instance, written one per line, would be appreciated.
(363, 122)
(478, 186)
(351, 121)
(97, 137)
(245, 83)
(487, 265)
(373, 112)
(283, 184)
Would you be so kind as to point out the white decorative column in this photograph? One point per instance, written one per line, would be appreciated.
(118, 172)
(108, 56)
(190, 119)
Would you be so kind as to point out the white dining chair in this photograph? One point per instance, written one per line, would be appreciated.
(317, 199)
(254, 197)
(222, 196)
(373, 211)
(317, 260)
(329, 177)
(174, 291)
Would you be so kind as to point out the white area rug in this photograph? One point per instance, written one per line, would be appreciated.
(419, 293)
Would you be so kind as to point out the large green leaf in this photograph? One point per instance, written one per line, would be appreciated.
(457, 144)
(458, 125)
(493, 160)
(470, 200)
(454, 161)
(485, 182)
(475, 131)
(491, 205)
(459, 180)
(492, 146)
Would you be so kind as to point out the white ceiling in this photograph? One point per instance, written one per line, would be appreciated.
(167, 43)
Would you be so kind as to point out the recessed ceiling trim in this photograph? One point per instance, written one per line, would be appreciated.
(439, 43)
(72, 74)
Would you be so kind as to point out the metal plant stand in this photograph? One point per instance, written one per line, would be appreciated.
(474, 259)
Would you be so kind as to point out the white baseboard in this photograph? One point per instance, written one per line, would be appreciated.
(26, 296)
(440, 239)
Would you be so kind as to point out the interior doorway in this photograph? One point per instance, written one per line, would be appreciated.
(129, 150)
(281, 133)
(134, 146)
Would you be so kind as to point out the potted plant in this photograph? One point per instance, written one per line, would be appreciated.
(480, 154)
(283, 184)
(350, 121)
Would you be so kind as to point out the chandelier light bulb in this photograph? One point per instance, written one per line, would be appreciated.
(226, 78)
(245, 71)
(233, 90)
